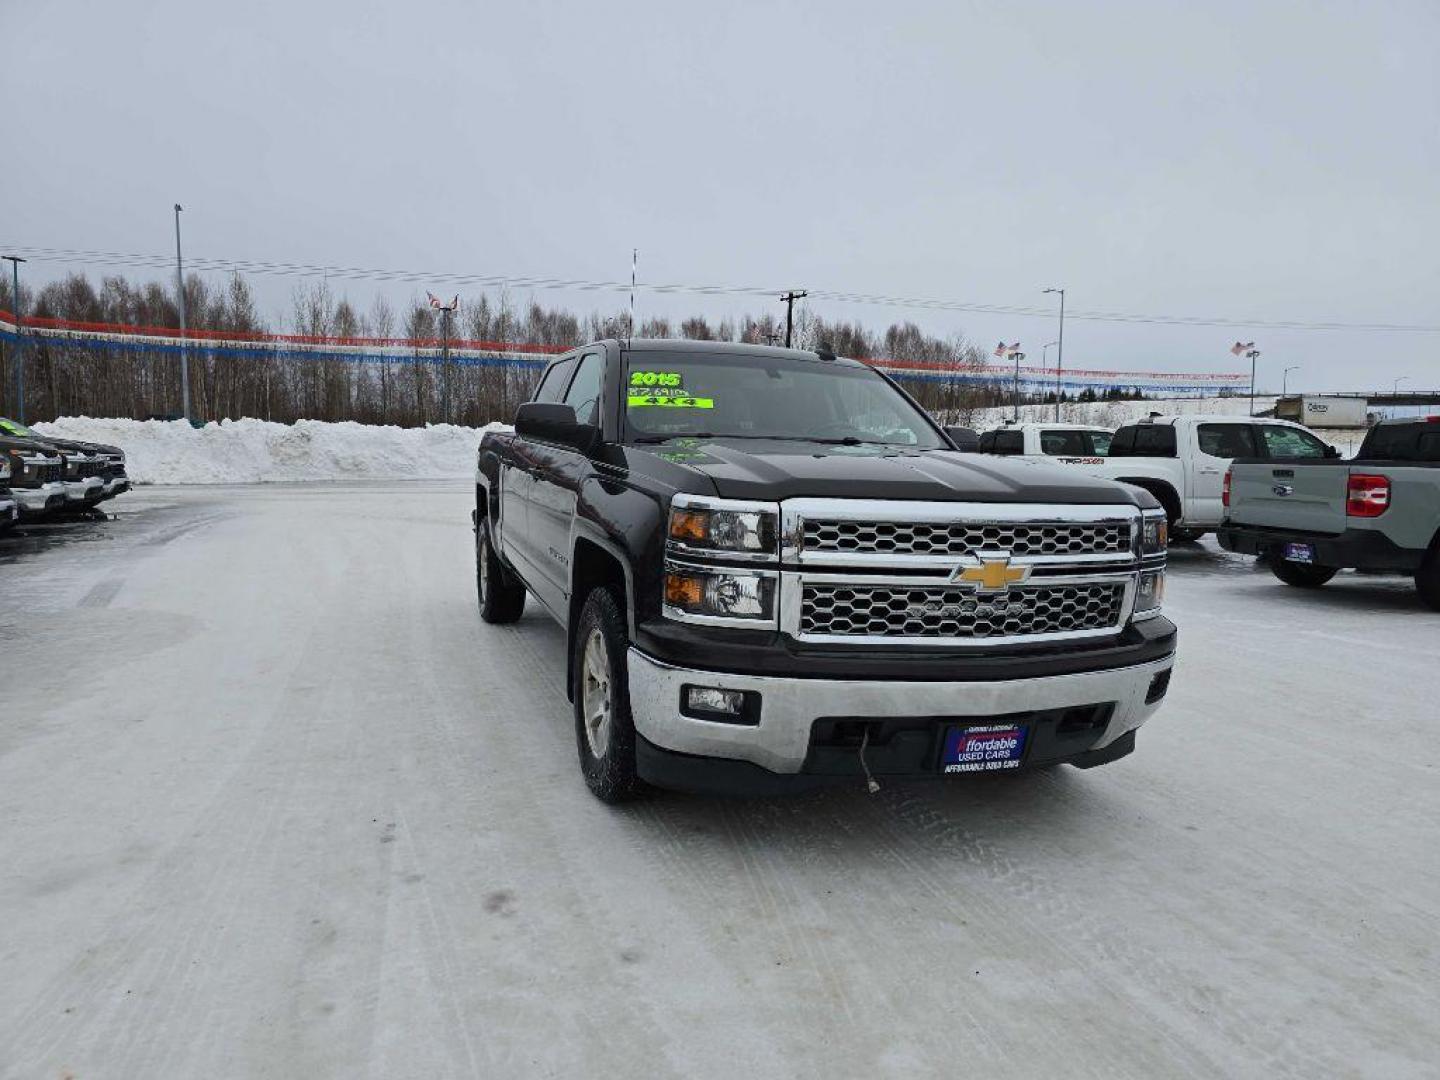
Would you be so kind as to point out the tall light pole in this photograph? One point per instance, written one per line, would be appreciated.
(1045, 363)
(1060, 352)
(1285, 379)
(15, 261)
(180, 294)
(1019, 356)
(1253, 354)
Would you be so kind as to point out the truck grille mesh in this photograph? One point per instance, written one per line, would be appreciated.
(958, 538)
(940, 611)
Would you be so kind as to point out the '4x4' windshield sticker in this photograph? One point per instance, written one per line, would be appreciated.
(662, 388)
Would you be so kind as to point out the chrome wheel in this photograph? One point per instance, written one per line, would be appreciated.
(595, 694)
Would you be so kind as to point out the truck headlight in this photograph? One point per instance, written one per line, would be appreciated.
(1154, 533)
(1150, 593)
(724, 526)
(719, 596)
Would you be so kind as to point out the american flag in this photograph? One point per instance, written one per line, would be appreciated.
(1002, 350)
(1240, 348)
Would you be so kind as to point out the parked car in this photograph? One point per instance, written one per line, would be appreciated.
(774, 570)
(1379, 511)
(37, 476)
(1070, 444)
(1181, 460)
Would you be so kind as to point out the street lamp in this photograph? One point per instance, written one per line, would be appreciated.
(1019, 356)
(1285, 378)
(1394, 390)
(1060, 352)
(15, 261)
(1045, 364)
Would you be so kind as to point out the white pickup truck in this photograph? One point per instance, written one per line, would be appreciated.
(1182, 461)
(1074, 443)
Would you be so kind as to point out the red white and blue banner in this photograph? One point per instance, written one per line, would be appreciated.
(123, 339)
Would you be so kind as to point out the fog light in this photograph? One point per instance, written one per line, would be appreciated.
(717, 706)
(713, 699)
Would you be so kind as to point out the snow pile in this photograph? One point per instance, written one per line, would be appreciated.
(255, 451)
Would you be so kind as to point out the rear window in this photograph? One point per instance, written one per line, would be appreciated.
(1150, 440)
(1227, 440)
(1403, 442)
(1062, 443)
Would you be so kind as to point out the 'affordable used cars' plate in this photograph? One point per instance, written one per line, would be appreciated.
(1299, 553)
(985, 748)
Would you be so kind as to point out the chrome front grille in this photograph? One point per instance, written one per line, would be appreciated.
(961, 538)
(855, 609)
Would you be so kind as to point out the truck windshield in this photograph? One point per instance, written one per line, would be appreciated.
(734, 395)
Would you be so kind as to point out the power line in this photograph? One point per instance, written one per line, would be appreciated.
(286, 269)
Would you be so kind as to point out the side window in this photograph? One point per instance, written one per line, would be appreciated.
(1123, 444)
(1064, 443)
(987, 443)
(1100, 440)
(553, 384)
(1227, 440)
(1389, 442)
(1429, 446)
(1154, 440)
(1290, 442)
(1009, 442)
(584, 392)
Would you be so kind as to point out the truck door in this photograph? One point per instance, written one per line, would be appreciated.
(556, 486)
(1217, 445)
(517, 478)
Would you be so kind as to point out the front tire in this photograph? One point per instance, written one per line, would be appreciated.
(502, 599)
(1301, 575)
(1427, 580)
(604, 730)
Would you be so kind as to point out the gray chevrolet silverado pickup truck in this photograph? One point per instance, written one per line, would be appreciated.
(1313, 517)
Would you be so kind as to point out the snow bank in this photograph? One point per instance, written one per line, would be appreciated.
(254, 451)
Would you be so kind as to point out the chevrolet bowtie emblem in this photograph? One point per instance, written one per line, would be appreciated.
(990, 572)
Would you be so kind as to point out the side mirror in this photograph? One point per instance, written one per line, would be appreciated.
(552, 422)
(964, 439)
(1331, 452)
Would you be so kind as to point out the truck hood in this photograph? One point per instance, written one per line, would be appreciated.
(780, 469)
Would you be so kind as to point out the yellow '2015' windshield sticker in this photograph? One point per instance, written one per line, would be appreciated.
(636, 401)
(654, 378)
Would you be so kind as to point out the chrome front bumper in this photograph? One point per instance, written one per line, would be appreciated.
(37, 500)
(790, 706)
(84, 490)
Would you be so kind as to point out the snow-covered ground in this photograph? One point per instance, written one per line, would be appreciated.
(254, 451)
(273, 802)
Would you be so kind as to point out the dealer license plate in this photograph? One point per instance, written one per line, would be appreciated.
(987, 748)
(1300, 553)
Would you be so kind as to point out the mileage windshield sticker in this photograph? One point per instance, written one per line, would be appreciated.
(662, 388)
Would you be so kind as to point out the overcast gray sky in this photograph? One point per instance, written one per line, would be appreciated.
(1257, 161)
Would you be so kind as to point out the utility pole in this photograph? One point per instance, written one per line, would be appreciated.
(789, 301)
(180, 295)
(446, 312)
(1045, 363)
(15, 261)
(1060, 352)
